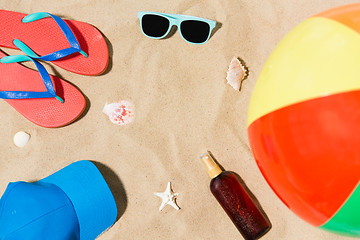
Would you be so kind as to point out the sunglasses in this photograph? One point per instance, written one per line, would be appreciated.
(193, 30)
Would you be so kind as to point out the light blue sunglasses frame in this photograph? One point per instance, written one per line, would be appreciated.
(177, 19)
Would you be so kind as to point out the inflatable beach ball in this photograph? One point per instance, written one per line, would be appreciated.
(304, 120)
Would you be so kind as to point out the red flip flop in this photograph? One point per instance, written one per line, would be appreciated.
(46, 35)
(48, 110)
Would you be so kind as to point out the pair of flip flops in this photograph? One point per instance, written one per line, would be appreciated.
(47, 100)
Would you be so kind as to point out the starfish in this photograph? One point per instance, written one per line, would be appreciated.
(168, 198)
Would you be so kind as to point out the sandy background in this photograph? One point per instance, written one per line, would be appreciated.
(183, 107)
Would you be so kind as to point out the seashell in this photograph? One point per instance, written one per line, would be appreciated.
(119, 113)
(236, 73)
(21, 139)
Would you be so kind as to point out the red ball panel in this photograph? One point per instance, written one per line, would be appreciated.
(309, 153)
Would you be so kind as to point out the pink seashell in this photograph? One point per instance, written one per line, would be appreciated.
(236, 73)
(120, 113)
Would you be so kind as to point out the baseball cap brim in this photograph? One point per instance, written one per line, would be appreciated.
(90, 195)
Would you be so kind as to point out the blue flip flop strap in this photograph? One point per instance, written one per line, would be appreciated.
(75, 46)
(50, 93)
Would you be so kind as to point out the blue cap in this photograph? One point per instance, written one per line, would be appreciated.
(74, 203)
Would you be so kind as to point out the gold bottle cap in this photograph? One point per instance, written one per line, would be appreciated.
(213, 169)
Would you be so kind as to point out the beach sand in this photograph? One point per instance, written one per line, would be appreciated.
(183, 107)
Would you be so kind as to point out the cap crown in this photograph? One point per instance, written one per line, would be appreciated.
(37, 211)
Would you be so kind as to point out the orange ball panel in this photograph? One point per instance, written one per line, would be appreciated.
(347, 15)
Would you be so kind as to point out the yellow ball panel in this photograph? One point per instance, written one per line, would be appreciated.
(319, 57)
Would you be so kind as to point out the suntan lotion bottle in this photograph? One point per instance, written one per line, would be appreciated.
(235, 200)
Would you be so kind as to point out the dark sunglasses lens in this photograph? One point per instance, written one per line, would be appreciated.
(154, 26)
(195, 31)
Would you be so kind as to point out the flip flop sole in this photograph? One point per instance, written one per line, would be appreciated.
(45, 112)
(44, 36)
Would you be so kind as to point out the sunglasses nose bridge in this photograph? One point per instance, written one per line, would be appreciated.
(173, 21)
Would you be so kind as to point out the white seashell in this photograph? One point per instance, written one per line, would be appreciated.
(236, 73)
(21, 139)
(119, 113)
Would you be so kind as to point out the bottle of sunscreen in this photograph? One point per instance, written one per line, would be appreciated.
(235, 200)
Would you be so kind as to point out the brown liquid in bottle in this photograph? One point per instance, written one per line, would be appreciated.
(236, 202)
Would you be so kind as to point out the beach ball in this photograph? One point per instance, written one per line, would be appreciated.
(304, 120)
